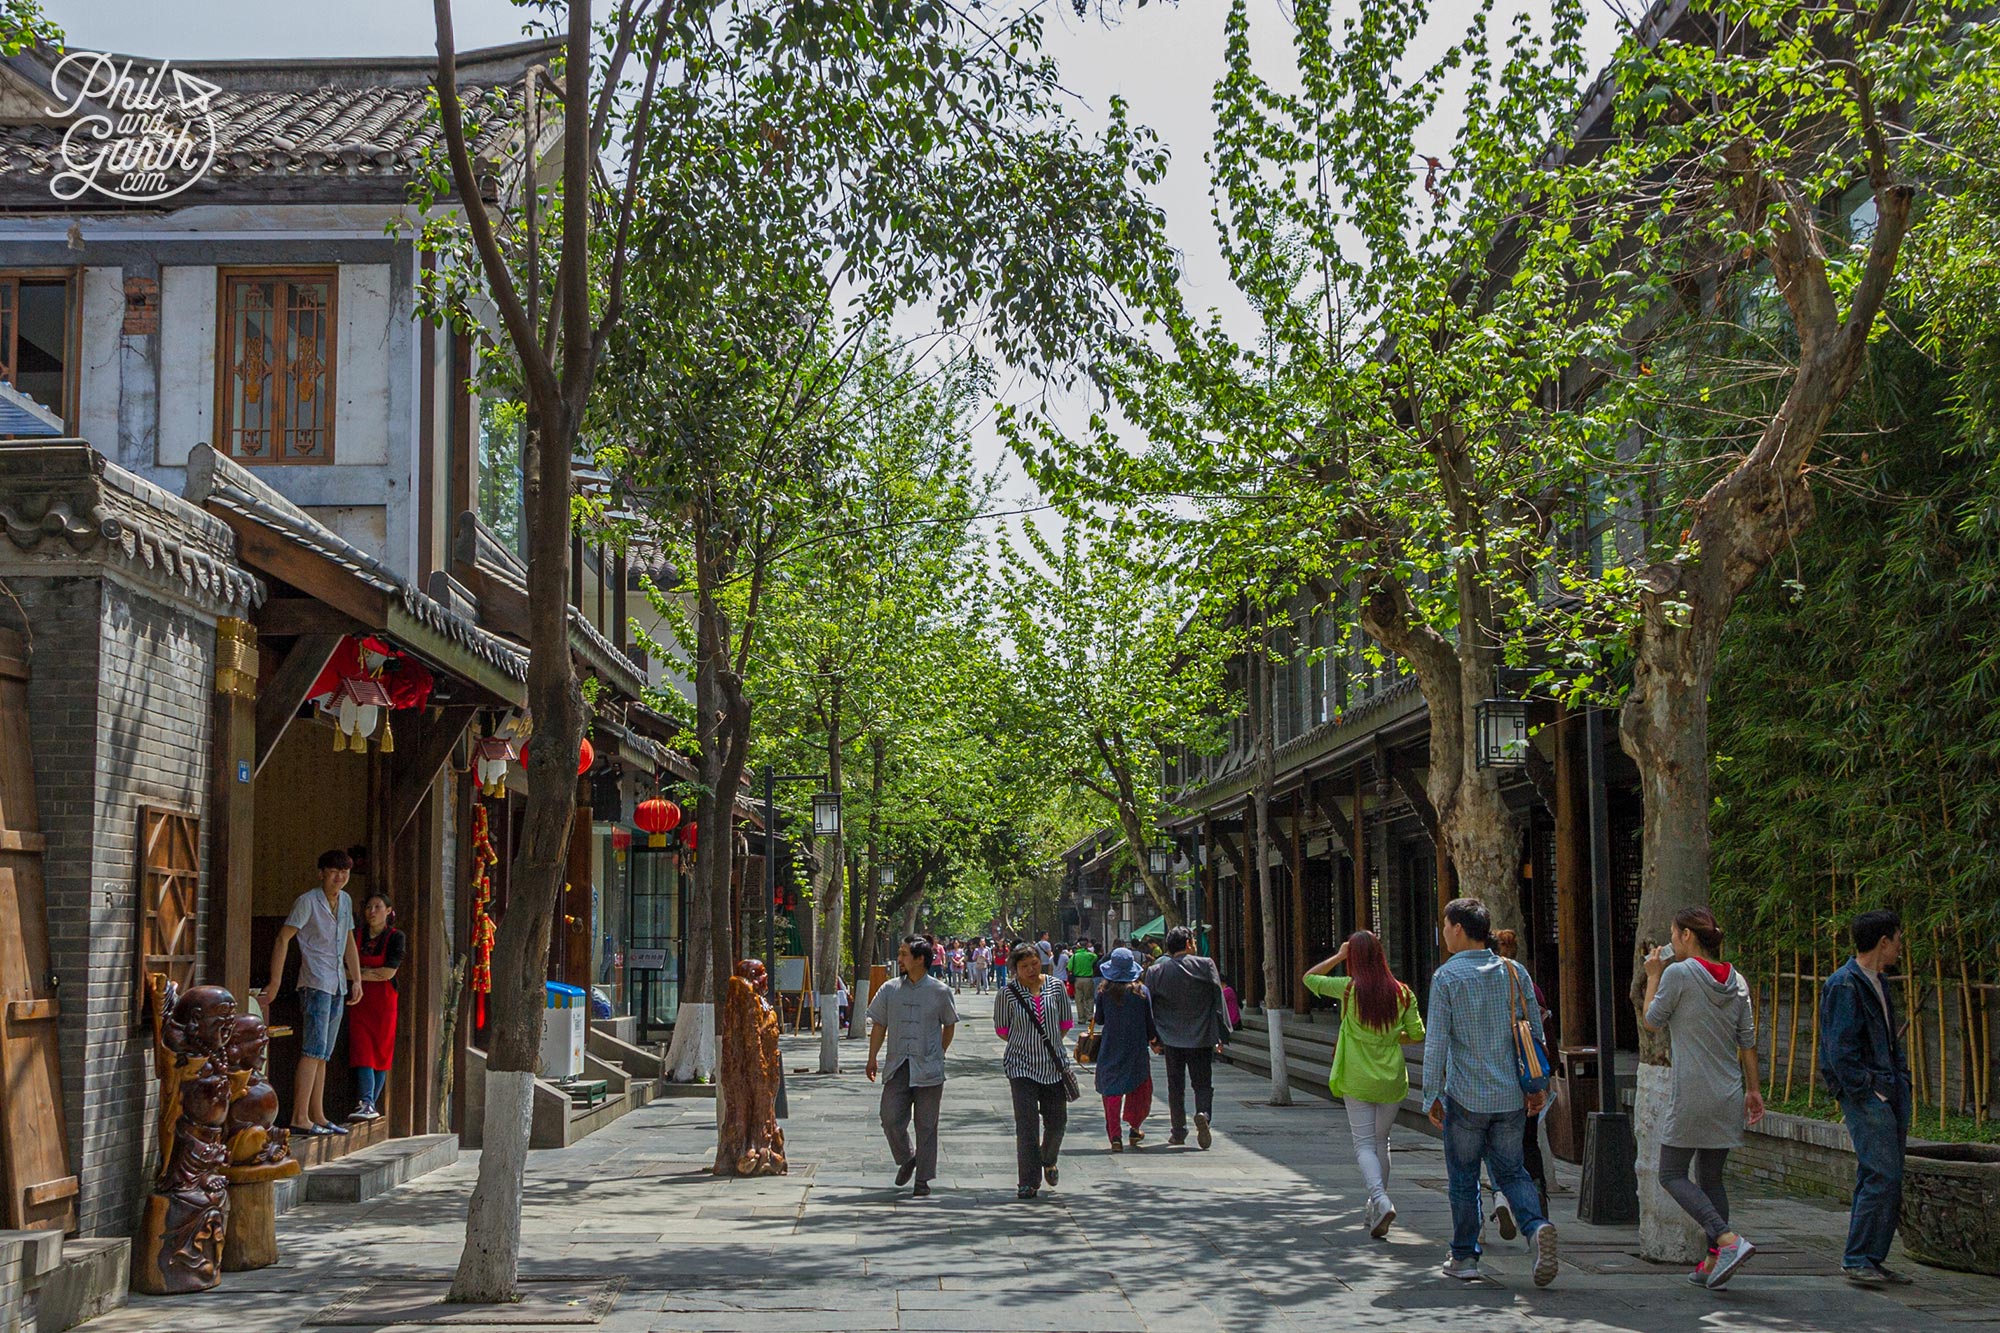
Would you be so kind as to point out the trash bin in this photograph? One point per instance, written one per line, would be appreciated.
(1572, 1097)
(562, 1032)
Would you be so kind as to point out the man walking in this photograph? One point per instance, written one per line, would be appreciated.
(1083, 978)
(1189, 1015)
(1472, 1086)
(1862, 1060)
(916, 1016)
(1046, 950)
(322, 919)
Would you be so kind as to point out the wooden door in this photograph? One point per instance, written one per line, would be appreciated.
(34, 1147)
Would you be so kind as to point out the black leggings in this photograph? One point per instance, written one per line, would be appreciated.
(1702, 1198)
(1041, 1113)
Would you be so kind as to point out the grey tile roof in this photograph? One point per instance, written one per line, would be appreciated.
(364, 122)
(221, 483)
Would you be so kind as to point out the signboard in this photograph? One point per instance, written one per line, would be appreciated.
(649, 960)
(791, 976)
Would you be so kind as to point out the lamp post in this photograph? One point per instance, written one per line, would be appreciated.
(771, 780)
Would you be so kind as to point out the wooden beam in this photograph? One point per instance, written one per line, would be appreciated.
(310, 573)
(414, 776)
(1329, 810)
(1364, 905)
(279, 701)
(232, 807)
(304, 615)
(503, 607)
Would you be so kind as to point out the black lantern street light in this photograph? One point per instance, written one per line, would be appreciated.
(886, 877)
(1160, 856)
(1503, 733)
(826, 814)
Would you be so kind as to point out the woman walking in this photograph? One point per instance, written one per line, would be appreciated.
(371, 1027)
(1703, 1005)
(980, 953)
(1124, 1011)
(1378, 1014)
(1032, 1014)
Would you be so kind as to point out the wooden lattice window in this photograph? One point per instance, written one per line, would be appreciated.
(274, 367)
(169, 884)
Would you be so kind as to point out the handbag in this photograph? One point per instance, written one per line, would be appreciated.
(1071, 1089)
(1087, 1045)
(1531, 1058)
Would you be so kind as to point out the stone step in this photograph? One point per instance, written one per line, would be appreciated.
(93, 1277)
(373, 1172)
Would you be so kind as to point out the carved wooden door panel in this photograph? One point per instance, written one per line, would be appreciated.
(169, 882)
(34, 1148)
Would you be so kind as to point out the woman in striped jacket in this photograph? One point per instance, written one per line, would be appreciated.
(1041, 1111)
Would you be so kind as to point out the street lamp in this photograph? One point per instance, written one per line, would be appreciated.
(1160, 856)
(886, 877)
(1503, 733)
(826, 814)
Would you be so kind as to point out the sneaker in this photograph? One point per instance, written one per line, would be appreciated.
(1380, 1228)
(1503, 1213)
(1176, 1140)
(1699, 1277)
(1201, 1132)
(1868, 1275)
(1118, 1145)
(1544, 1243)
(1136, 1135)
(922, 1190)
(1025, 1192)
(1049, 1174)
(905, 1171)
(1728, 1259)
(1465, 1270)
(365, 1112)
(1894, 1278)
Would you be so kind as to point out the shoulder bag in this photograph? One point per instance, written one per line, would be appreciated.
(1531, 1058)
(1071, 1089)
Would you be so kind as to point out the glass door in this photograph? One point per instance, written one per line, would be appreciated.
(653, 957)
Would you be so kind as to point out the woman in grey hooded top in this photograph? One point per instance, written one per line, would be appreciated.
(1703, 1005)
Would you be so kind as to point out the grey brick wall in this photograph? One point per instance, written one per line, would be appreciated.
(120, 717)
(1798, 1155)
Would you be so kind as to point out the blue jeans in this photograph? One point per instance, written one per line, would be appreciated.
(1492, 1137)
(320, 1014)
(1879, 1130)
(368, 1085)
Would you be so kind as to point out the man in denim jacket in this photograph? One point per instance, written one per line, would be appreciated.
(1861, 1060)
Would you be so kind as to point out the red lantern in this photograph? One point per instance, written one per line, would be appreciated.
(657, 818)
(688, 838)
(585, 757)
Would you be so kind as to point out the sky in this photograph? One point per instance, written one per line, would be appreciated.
(1164, 59)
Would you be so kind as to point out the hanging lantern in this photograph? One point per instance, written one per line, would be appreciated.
(585, 757)
(490, 757)
(357, 709)
(688, 838)
(657, 818)
(621, 841)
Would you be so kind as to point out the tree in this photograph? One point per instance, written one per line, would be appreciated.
(557, 247)
(1116, 665)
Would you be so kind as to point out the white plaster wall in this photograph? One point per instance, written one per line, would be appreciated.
(101, 382)
(363, 526)
(361, 426)
(187, 360)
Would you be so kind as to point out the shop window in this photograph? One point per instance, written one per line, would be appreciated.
(169, 879)
(274, 367)
(35, 359)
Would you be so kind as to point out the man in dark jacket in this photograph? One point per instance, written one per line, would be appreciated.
(1861, 1060)
(1189, 1013)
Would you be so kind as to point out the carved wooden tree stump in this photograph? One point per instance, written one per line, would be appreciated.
(750, 1142)
(259, 1154)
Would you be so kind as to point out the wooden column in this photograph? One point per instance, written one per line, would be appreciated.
(1301, 997)
(1364, 916)
(232, 807)
(1207, 911)
(1575, 1006)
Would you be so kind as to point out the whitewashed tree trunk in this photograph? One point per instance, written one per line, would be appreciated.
(493, 1222)
(1666, 1233)
(857, 1021)
(691, 1054)
(1281, 1070)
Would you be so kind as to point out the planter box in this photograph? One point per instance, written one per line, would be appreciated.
(1951, 1205)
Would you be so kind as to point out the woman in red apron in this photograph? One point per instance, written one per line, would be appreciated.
(371, 1025)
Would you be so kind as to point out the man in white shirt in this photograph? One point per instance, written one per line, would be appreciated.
(322, 919)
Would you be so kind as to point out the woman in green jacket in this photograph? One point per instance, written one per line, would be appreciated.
(1378, 1015)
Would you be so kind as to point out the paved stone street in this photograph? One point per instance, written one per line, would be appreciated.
(628, 1233)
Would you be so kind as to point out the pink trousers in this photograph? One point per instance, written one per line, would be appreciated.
(1131, 1107)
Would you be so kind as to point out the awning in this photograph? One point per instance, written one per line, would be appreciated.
(1157, 926)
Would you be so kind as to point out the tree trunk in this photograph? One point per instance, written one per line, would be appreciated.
(489, 1266)
(1275, 988)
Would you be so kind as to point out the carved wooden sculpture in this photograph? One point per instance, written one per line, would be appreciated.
(258, 1153)
(179, 1245)
(750, 1144)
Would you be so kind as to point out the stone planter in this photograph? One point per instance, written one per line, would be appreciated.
(1951, 1205)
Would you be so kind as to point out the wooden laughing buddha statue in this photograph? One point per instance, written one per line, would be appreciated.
(179, 1245)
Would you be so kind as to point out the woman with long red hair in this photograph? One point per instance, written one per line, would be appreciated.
(1378, 1016)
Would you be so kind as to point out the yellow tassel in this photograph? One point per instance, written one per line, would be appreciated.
(339, 740)
(388, 738)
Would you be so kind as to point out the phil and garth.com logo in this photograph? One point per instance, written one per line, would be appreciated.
(134, 138)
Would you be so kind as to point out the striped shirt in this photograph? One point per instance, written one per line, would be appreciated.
(1027, 1056)
(1469, 1036)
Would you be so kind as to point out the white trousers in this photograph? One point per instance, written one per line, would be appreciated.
(1370, 1123)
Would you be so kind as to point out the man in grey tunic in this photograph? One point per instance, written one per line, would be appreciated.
(914, 1015)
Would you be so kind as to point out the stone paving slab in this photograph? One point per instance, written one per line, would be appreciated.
(1263, 1234)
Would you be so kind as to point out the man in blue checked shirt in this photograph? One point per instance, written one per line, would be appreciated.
(1472, 1086)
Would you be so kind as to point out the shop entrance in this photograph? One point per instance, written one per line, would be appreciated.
(653, 959)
